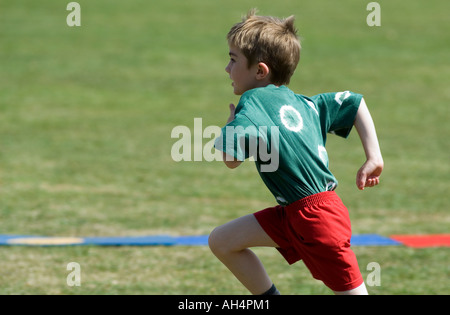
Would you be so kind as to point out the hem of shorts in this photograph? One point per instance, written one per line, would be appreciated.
(290, 258)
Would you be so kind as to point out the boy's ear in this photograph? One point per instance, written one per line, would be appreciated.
(263, 71)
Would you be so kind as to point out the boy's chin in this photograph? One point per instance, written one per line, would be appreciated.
(238, 91)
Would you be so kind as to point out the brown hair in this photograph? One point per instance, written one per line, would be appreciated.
(270, 40)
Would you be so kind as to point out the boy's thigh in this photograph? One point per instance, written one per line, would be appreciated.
(242, 233)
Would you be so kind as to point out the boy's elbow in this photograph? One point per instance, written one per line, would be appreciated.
(230, 161)
(232, 164)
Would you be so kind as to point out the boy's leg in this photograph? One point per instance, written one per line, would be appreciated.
(231, 242)
(361, 290)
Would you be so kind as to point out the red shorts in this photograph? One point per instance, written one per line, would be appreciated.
(317, 230)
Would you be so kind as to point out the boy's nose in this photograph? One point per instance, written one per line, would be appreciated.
(227, 68)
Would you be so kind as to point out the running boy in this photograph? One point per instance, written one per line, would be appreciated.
(310, 223)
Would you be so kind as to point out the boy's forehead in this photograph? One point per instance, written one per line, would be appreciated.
(234, 51)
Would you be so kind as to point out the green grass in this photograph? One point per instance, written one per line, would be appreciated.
(192, 271)
(86, 116)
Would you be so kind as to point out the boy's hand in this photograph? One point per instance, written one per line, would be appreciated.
(232, 110)
(369, 174)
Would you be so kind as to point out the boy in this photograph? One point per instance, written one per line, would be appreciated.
(310, 223)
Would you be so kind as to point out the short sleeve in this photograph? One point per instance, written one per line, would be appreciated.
(239, 138)
(337, 111)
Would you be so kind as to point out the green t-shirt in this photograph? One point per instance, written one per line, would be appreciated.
(286, 133)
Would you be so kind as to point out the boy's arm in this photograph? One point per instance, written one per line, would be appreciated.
(231, 161)
(369, 174)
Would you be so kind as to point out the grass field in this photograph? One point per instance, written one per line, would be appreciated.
(86, 115)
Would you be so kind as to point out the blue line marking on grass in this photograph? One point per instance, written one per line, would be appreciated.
(155, 240)
(373, 240)
(151, 240)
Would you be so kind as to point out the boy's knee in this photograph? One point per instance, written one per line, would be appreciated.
(213, 240)
(217, 242)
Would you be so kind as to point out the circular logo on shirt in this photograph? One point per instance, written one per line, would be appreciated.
(291, 118)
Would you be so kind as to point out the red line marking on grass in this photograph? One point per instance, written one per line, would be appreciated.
(423, 241)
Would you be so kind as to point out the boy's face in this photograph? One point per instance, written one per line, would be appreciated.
(243, 77)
